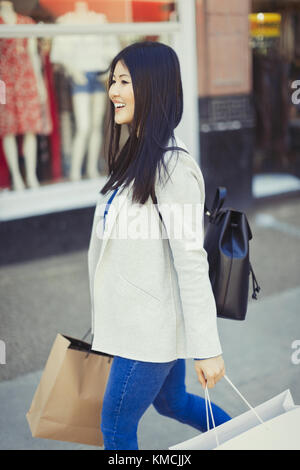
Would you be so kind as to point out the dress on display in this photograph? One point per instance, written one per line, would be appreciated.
(23, 111)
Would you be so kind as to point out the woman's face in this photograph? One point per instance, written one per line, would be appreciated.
(121, 92)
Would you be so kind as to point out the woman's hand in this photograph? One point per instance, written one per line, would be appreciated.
(210, 370)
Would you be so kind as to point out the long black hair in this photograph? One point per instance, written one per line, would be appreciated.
(158, 106)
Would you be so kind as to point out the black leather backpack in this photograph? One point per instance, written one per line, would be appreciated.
(226, 242)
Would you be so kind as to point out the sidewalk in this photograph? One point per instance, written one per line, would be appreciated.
(41, 298)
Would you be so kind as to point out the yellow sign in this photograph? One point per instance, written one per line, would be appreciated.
(265, 24)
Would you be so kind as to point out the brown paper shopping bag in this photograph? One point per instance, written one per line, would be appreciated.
(68, 401)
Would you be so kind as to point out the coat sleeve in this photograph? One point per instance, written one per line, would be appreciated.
(180, 201)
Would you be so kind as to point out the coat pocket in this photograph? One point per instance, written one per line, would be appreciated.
(130, 290)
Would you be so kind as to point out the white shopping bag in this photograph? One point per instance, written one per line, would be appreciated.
(273, 425)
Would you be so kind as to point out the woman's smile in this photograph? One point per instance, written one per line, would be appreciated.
(118, 107)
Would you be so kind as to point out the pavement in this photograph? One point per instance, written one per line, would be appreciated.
(51, 295)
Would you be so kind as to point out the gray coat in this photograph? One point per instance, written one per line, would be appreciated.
(151, 297)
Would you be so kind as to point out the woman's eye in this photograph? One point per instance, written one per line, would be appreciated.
(123, 81)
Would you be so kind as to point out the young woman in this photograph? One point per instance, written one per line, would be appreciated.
(152, 302)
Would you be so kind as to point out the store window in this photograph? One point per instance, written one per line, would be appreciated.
(275, 34)
(53, 96)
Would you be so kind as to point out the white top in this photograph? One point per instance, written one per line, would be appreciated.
(85, 52)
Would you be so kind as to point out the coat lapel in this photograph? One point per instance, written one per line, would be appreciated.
(114, 209)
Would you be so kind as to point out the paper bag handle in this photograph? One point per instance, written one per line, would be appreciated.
(207, 400)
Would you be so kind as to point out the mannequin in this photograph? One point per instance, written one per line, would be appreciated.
(83, 58)
(21, 114)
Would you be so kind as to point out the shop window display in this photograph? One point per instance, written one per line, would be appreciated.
(52, 123)
(274, 32)
(84, 60)
(271, 94)
(26, 111)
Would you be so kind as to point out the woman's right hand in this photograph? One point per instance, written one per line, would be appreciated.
(210, 371)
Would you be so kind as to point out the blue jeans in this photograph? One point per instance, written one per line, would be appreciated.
(134, 385)
(92, 85)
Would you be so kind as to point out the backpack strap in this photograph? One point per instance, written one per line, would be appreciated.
(218, 202)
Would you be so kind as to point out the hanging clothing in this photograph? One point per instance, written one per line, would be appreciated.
(4, 171)
(55, 143)
(23, 111)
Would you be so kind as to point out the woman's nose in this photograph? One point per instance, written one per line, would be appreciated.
(115, 88)
(115, 93)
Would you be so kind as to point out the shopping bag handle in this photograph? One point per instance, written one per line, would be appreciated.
(207, 400)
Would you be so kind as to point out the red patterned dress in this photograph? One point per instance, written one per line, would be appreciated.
(23, 111)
